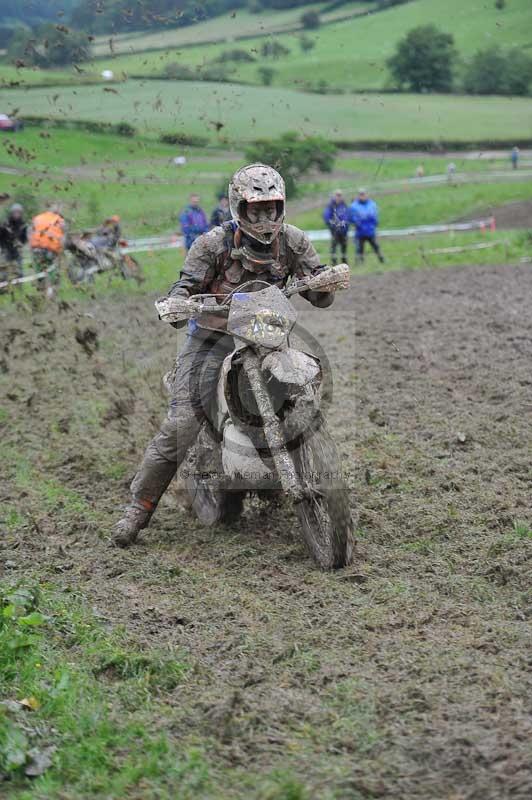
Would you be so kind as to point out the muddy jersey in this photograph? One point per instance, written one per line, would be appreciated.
(212, 264)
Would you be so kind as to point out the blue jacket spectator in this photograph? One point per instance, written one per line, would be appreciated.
(193, 221)
(336, 215)
(364, 215)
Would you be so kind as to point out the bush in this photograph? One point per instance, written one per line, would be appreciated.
(49, 46)
(125, 129)
(180, 72)
(293, 156)
(273, 49)
(234, 55)
(424, 60)
(184, 139)
(306, 43)
(310, 20)
(91, 126)
(493, 71)
(266, 75)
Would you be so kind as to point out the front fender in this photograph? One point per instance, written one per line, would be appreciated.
(292, 367)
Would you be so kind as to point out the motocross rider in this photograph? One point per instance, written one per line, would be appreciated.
(255, 245)
(108, 235)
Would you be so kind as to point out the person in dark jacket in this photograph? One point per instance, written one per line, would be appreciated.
(222, 212)
(336, 217)
(13, 237)
(364, 214)
(193, 221)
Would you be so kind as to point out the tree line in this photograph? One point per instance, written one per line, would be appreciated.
(426, 60)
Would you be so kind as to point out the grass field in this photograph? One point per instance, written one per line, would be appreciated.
(231, 113)
(95, 175)
(352, 54)
(226, 28)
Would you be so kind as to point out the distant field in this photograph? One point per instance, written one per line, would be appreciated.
(348, 55)
(352, 54)
(10, 76)
(44, 148)
(95, 175)
(225, 28)
(231, 113)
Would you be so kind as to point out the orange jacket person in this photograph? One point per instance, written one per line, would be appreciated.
(48, 232)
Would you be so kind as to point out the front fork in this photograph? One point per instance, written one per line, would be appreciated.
(272, 429)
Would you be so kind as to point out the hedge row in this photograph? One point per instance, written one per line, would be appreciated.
(91, 126)
(191, 140)
(432, 146)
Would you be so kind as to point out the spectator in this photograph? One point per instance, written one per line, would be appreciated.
(13, 237)
(451, 171)
(514, 156)
(221, 213)
(47, 242)
(193, 221)
(336, 217)
(364, 215)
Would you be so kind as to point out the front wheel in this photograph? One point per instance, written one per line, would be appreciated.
(76, 272)
(324, 514)
(213, 505)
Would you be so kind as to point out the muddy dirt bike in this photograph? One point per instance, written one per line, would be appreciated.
(86, 260)
(265, 432)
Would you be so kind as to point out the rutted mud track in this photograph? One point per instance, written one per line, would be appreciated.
(406, 676)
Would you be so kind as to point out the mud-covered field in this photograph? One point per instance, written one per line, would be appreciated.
(409, 674)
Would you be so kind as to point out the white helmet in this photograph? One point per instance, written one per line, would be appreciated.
(257, 183)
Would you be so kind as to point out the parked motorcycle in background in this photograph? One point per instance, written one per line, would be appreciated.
(85, 260)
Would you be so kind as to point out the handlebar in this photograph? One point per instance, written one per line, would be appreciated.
(179, 309)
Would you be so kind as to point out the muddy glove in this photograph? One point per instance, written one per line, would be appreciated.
(178, 291)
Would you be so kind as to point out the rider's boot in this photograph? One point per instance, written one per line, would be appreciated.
(162, 457)
(136, 517)
(148, 487)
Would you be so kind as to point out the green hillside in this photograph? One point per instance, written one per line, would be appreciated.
(231, 113)
(226, 28)
(352, 54)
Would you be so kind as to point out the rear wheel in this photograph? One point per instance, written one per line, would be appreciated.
(130, 268)
(325, 514)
